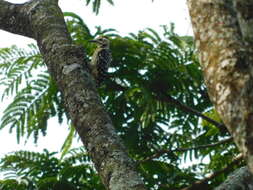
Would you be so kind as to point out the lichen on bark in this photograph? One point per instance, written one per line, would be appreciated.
(221, 29)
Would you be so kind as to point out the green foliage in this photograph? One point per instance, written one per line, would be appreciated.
(81, 34)
(16, 66)
(213, 115)
(96, 4)
(152, 75)
(35, 100)
(68, 141)
(44, 171)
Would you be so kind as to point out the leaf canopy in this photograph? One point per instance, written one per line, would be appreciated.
(155, 96)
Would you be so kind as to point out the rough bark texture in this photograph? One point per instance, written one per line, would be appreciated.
(240, 179)
(43, 21)
(223, 32)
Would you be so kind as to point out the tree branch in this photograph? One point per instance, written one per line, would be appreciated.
(43, 20)
(14, 18)
(178, 104)
(190, 110)
(236, 161)
(161, 152)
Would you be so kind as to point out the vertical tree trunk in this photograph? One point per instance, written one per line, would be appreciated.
(224, 36)
(43, 21)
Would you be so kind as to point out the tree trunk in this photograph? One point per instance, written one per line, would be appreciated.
(224, 36)
(43, 21)
(239, 180)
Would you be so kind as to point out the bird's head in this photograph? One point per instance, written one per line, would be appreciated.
(102, 41)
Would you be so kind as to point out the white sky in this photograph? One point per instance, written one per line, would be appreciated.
(126, 16)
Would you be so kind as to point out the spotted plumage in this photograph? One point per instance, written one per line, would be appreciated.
(101, 59)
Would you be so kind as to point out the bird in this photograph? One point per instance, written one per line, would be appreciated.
(101, 59)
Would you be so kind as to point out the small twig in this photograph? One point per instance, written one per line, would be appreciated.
(188, 109)
(161, 152)
(235, 161)
(179, 105)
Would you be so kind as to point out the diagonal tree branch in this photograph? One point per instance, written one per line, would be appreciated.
(43, 20)
(178, 104)
(190, 110)
(161, 152)
(199, 183)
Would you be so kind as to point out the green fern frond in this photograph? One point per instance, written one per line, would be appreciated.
(46, 170)
(107, 32)
(68, 142)
(79, 22)
(152, 35)
(16, 66)
(96, 4)
(36, 96)
(31, 108)
(76, 156)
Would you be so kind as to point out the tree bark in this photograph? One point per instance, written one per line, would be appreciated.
(223, 31)
(43, 21)
(239, 180)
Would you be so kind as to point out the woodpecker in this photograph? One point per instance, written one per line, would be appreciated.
(101, 59)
